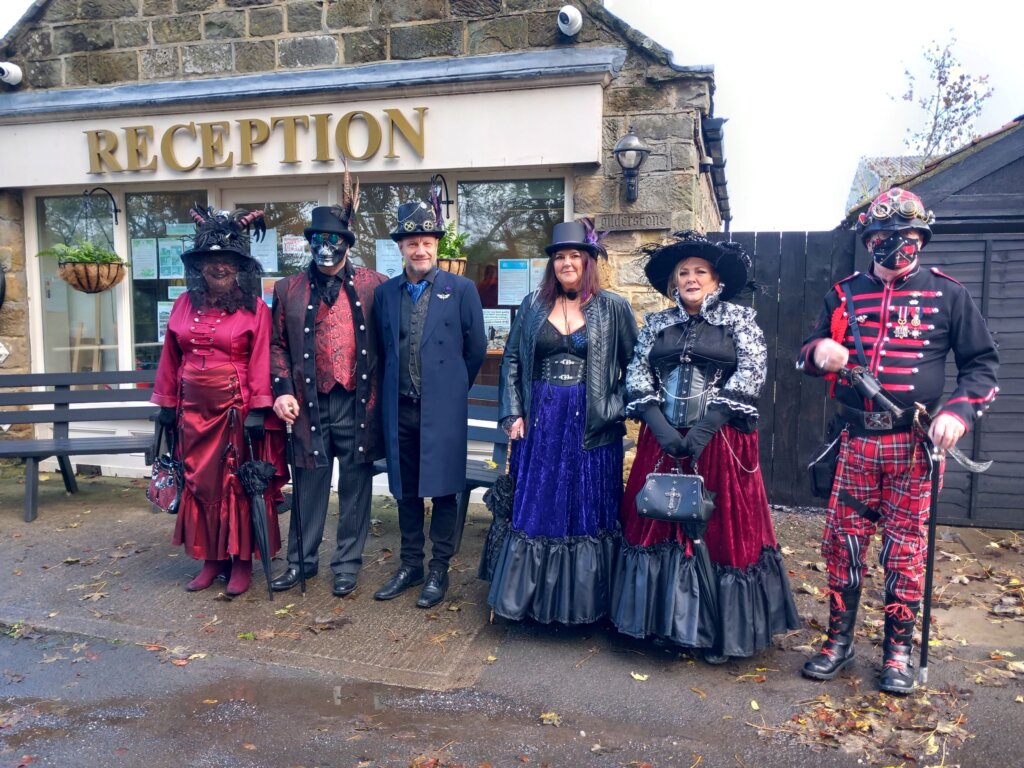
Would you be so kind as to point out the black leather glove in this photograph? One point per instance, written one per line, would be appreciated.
(700, 434)
(254, 424)
(668, 437)
(167, 415)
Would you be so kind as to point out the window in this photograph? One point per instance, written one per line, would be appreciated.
(79, 329)
(160, 229)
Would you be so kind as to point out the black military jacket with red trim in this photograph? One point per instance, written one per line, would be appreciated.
(908, 328)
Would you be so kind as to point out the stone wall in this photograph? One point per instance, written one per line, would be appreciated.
(14, 313)
(76, 43)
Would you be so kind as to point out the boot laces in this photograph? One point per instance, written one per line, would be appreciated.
(899, 611)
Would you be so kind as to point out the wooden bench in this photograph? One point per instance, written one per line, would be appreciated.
(480, 472)
(47, 398)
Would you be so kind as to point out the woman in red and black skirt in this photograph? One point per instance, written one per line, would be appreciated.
(213, 385)
(694, 380)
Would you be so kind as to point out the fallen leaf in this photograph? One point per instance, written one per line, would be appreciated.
(71, 560)
(490, 659)
(179, 662)
(247, 745)
(699, 692)
(209, 701)
(1019, 699)
(550, 718)
(810, 589)
(1015, 666)
(197, 656)
(755, 706)
(246, 636)
(638, 676)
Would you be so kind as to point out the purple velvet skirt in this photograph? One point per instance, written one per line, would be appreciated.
(555, 560)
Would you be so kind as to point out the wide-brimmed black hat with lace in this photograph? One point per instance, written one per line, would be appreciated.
(728, 259)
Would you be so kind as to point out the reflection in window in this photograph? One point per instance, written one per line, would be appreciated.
(377, 218)
(159, 230)
(507, 220)
(79, 329)
(285, 250)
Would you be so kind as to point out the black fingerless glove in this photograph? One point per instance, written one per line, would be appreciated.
(668, 437)
(254, 424)
(700, 434)
(167, 416)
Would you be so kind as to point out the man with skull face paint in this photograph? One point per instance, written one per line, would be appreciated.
(909, 319)
(324, 375)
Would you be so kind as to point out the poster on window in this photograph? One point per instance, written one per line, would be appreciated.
(174, 291)
(265, 250)
(169, 255)
(389, 258)
(144, 258)
(537, 267)
(293, 245)
(163, 315)
(268, 290)
(513, 280)
(182, 231)
(497, 323)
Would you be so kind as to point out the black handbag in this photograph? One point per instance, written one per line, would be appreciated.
(676, 498)
(165, 484)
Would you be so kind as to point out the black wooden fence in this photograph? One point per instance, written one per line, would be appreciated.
(795, 270)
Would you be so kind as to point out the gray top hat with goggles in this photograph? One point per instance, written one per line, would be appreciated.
(417, 219)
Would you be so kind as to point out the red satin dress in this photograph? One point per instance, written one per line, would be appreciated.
(215, 367)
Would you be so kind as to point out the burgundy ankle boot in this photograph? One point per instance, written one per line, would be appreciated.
(241, 576)
(211, 569)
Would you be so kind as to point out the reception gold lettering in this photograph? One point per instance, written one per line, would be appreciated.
(291, 154)
(211, 138)
(167, 147)
(102, 146)
(253, 133)
(373, 135)
(211, 145)
(321, 123)
(397, 120)
(136, 140)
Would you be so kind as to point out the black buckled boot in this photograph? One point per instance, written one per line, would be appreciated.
(837, 651)
(897, 669)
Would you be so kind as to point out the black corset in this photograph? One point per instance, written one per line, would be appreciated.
(693, 361)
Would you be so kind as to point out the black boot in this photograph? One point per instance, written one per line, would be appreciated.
(837, 651)
(897, 669)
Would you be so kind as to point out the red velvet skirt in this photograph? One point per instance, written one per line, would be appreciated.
(214, 519)
(741, 525)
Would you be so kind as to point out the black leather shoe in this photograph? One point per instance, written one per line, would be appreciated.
(404, 578)
(289, 579)
(344, 584)
(433, 591)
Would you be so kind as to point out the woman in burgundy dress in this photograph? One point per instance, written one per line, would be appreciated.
(695, 378)
(213, 386)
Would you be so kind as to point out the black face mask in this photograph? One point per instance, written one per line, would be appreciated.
(896, 252)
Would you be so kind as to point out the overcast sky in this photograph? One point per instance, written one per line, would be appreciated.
(806, 86)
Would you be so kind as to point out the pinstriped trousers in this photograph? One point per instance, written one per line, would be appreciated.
(338, 420)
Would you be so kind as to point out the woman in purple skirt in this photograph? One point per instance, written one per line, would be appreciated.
(561, 391)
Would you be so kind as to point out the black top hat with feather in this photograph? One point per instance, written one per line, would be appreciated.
(337, 219)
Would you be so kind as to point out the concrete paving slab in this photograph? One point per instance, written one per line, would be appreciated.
(100, 563)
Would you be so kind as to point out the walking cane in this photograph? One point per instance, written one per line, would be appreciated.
(935, 457)
(296, 520)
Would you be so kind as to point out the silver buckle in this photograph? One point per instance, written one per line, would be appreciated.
(877, 420)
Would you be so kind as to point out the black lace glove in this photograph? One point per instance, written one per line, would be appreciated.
(254, 424)
(700, 434)
(668, 437)
(167, 416)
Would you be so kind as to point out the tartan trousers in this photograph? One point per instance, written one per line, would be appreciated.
(889, 474)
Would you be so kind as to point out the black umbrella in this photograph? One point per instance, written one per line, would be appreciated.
(296, 518)
(934, 457)
(255, 477)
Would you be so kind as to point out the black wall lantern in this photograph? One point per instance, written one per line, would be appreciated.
(630, 154)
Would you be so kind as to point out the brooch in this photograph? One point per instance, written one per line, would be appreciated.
(447, 293)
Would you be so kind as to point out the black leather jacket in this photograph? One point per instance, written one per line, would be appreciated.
(611, 335)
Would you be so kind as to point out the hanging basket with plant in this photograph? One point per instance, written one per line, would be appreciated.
(450, 256)
(87, 267)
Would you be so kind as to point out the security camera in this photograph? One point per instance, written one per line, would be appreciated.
(10, 73)
(570, 20)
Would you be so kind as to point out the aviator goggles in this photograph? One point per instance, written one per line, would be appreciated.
(318, 239)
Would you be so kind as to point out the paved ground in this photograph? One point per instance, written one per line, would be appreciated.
(107, 660)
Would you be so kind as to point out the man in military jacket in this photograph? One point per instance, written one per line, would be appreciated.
(325, 380)
(908, 319)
